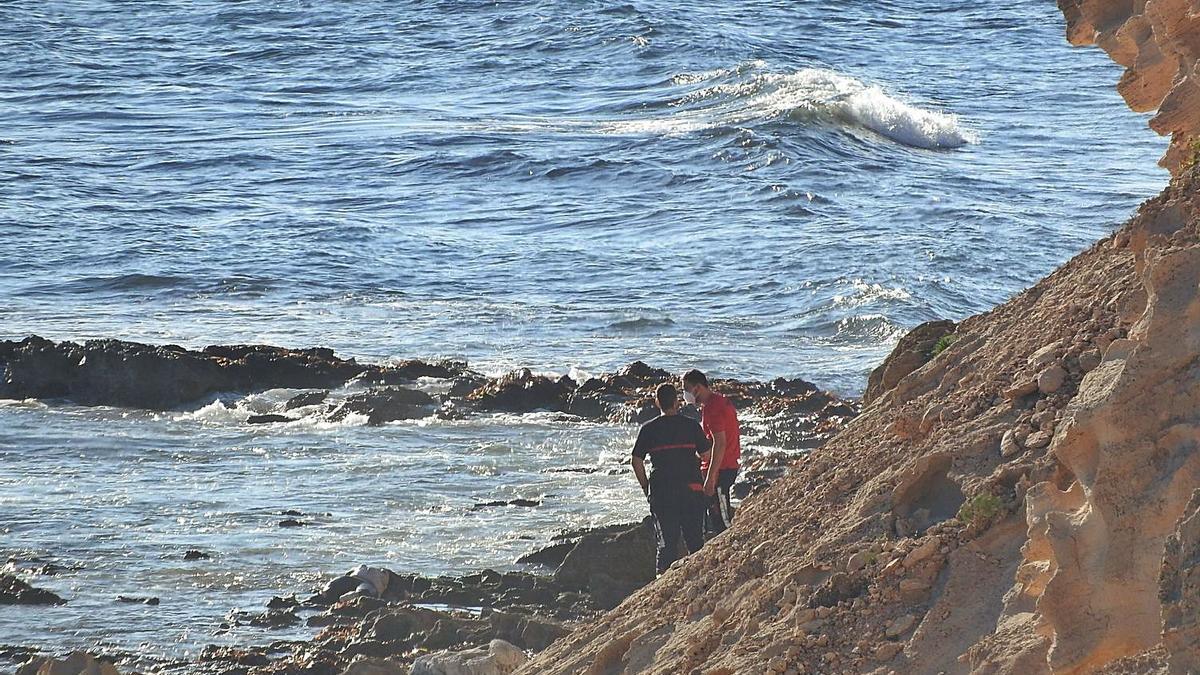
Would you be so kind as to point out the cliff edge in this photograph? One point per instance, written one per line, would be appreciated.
(1025, 500)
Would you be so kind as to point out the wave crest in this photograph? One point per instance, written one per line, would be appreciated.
(747, 95)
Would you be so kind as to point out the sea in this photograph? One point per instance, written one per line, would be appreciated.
(757, 188)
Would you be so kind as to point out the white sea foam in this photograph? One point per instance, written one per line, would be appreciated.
(810, 93)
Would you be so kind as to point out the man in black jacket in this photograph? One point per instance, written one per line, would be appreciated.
(675, 489)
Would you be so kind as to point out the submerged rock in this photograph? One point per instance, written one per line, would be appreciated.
(13, 591)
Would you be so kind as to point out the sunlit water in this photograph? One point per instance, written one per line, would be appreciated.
(755, 188)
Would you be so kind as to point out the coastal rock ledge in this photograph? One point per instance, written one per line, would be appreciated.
(1024, 500)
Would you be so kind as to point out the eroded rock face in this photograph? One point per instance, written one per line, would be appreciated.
(1179, 591)
(1158, 42)
(1099, 542)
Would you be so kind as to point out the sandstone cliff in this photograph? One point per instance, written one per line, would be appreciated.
(1025, 501)
(1158, 43)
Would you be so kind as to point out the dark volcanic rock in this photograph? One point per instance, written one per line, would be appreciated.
(306, 399)
(527, 503)
(610, 566)
(115, 372)
(137, 600)
(386, 405)
(521, 391)
(193, 554)
(13, 591)
(267, 419)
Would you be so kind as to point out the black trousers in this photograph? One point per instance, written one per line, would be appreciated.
(678, 513)
(718, 517)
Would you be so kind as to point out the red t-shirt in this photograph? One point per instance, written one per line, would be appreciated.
(718, 414)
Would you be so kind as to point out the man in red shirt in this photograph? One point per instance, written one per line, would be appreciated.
(719, 467)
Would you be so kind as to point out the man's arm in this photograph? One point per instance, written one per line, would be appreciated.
(639, 470)
(714, 463)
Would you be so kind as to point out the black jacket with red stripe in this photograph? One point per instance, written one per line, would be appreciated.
(674, 444)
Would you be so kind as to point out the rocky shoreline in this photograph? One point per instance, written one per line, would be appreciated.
(427, 624)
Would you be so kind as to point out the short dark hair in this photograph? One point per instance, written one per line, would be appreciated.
(694, 376)
(666, 395)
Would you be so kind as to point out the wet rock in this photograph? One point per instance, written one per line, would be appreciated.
(279, 602)
(526, 503)
(292, 522)
(160, 377)
(193, 554)
(78, 663)
(521, 391)
(365, 665)
(272, 618)
(386, 405)
(308, 398)
(137, 600)
(912, 352)
(13, 591)
(268, 419)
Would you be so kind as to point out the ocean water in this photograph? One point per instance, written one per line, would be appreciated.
(756, 188)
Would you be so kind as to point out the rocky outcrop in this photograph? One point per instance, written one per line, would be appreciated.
(13, 591)
(913, 351)
(131, 374)
(1158, 43)
(789, 414)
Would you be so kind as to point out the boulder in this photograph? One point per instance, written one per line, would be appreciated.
(387, 404)
(610, 566)
(498, 658)
(913, 351)
(521, 391)
(13, 591)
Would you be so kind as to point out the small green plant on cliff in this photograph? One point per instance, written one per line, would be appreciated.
(942, 343)
(1194, 157)
(980, 509)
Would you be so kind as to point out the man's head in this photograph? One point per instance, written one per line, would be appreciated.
(695, 386)
(667, 398)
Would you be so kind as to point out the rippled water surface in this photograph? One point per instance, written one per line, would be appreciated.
(757, 188)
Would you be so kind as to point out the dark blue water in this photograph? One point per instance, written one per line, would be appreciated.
(548, 183)
(755, 188)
